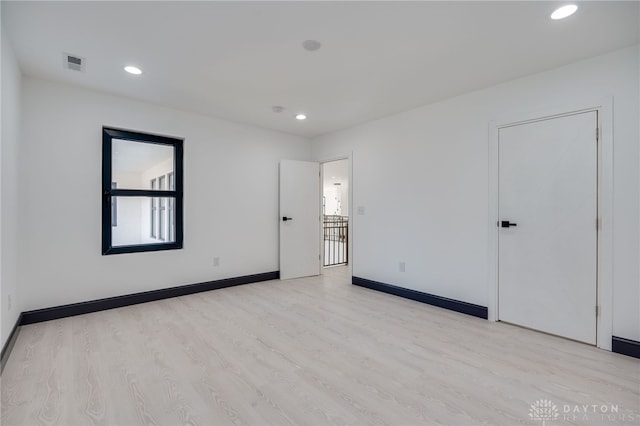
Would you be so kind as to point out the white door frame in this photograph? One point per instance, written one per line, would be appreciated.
(328, 159)
(604, 107)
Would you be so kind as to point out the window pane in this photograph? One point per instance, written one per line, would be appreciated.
(114, 207)
(136, 164)
(162, 234)
(136, 225)
(154, 217)
(172, 219)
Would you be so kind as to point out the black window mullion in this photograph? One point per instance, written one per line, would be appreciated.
(178, 219)
(107, 229)
(142, 193)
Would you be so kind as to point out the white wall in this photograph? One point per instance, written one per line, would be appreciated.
(9, 148)
(230, 197)
(331, 198)
(431, 164)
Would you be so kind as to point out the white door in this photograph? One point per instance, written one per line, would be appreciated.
(299, 219)
(548, 253)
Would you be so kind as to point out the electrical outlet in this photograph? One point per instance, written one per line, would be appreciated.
(216, 261)
(9, 302)
(401, 266)
(360, 210)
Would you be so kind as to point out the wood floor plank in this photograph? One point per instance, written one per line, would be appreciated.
(313, 351)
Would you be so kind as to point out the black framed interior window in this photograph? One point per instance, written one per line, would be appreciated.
(147, 200)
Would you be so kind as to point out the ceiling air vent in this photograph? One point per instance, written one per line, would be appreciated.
(74, 62)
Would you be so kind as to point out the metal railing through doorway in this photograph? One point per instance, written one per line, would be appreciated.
(336, 240)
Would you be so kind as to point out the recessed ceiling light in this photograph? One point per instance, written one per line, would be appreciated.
(133, 70)
(564, 11)
(311, 45)
(301, 117)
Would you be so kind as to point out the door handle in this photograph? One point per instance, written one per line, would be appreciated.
(507, 224)
(284, 218)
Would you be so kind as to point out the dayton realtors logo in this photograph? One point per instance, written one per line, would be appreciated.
(543, 410)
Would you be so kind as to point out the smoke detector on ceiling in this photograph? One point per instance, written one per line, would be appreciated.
(311, 45)
(73, 62)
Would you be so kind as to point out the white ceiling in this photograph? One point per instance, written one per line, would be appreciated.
(236, 60)
(335, 172)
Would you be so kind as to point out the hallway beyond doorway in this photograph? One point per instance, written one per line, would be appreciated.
(335, 212)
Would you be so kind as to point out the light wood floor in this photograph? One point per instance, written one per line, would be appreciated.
(313, 351)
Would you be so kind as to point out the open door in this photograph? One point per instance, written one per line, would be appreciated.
(299, 219)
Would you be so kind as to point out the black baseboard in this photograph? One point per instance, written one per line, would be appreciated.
(73, 309)
(625, 346)
(8, 346)
(441, 302)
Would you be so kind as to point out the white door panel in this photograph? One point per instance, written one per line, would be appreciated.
(547, 262)
(300, 232)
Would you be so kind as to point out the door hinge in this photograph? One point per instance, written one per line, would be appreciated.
(598, 222)
(598, 134)
(597, 311)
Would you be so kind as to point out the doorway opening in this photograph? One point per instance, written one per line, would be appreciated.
(335, 213)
